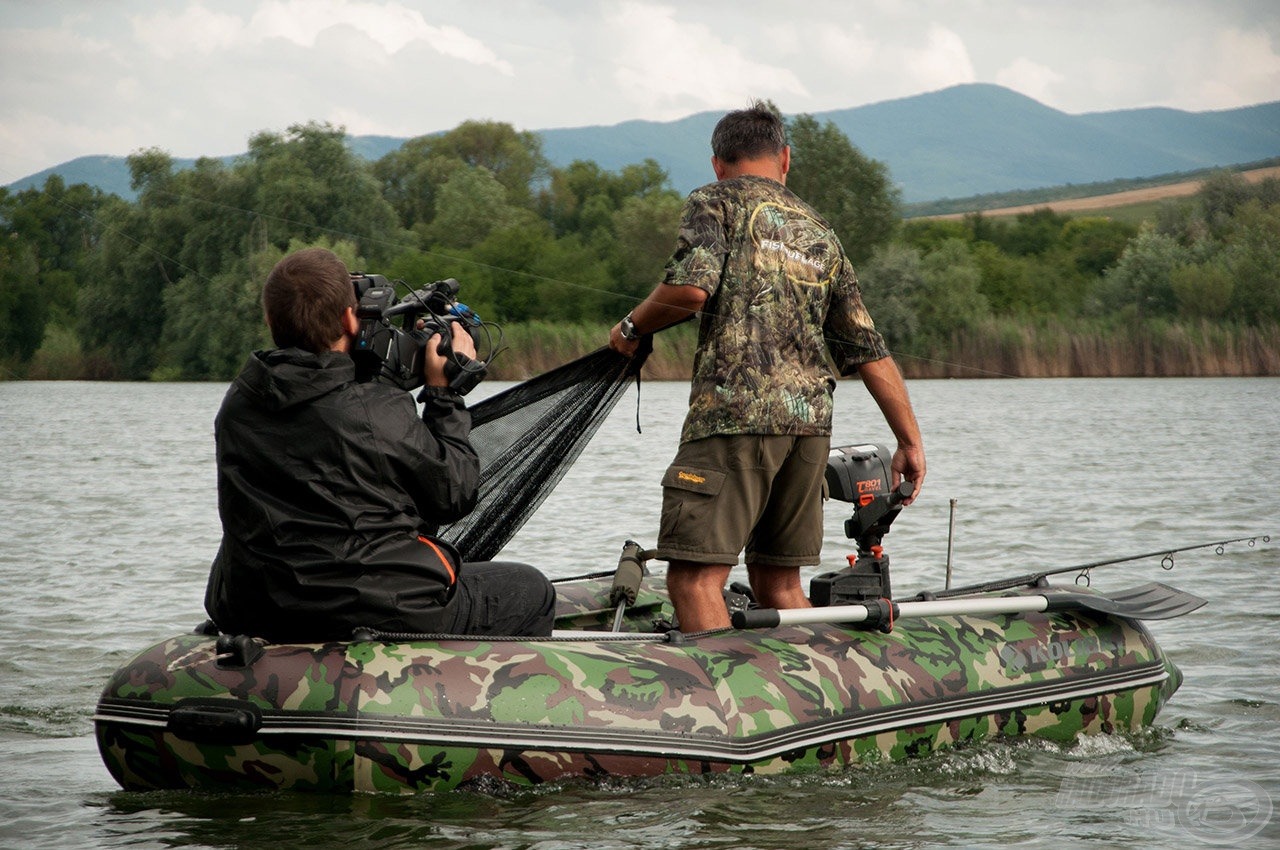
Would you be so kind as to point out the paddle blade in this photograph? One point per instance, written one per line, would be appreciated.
(1151, 601)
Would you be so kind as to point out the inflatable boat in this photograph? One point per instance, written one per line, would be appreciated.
(619, 691)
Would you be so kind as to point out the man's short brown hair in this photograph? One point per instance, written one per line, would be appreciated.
(749, 133)
(304, 299)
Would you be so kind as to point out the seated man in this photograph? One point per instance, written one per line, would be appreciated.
(330, 490)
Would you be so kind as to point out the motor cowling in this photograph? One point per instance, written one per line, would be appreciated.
(858, 474)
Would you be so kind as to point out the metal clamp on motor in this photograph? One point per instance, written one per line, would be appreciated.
(861, 475)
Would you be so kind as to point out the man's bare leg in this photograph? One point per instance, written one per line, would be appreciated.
(777, 587)
(697, 591)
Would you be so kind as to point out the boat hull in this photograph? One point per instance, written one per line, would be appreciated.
(433, 715)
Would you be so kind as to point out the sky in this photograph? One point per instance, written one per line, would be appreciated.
(200, 77)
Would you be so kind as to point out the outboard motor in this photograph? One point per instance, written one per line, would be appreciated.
(861, 475)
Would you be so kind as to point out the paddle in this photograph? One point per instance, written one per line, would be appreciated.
(1152, 601)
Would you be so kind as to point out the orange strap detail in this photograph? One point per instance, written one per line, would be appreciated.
(444, 559)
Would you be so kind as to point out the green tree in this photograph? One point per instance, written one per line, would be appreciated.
(1220, 196)
(1141, 283)
(644, 230)
(526, 273)
(926, 234)
(212, 324)
(172, 279)
(471, 205)
(1096, 243)
(852, 191)
(1202, 290)
(1033, 233)
(53, 227)
(411, 176)
(121, 306)
(1004, 279)
(308, 184)
(23, 312)
(1252, 257)
(582, 197)
(949, 299)
(513, 157)
(891, 281)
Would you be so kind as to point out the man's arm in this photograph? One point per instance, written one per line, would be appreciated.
(667, 305)
(883, 380)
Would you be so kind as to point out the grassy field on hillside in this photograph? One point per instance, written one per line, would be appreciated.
(1132, 205)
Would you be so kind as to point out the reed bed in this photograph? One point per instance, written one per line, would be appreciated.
(1055, 350)
(997, 348)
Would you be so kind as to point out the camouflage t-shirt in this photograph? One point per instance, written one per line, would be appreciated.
(780, 294)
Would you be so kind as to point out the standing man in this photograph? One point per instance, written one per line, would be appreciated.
(776, 293)
(331, 490)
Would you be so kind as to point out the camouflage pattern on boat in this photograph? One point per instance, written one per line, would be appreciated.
(425, 715)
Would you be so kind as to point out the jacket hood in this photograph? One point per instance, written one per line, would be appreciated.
(284, 377)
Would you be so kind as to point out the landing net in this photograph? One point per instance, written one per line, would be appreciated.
(528, 436)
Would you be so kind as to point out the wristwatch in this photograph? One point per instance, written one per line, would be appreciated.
(628, 328)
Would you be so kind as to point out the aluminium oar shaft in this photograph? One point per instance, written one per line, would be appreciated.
(1151, 601)
(767, 617)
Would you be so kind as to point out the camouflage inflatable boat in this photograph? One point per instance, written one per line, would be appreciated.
(616, 693)
(380, 715)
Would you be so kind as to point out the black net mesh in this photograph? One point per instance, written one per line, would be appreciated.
(528, 436)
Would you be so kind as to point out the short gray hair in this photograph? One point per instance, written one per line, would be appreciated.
(749, 133)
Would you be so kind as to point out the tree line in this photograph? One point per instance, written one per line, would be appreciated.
(167, 286)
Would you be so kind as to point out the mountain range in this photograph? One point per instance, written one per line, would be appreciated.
(960, 141)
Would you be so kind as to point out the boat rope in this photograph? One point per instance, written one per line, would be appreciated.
(1082, 570)
(361, 635)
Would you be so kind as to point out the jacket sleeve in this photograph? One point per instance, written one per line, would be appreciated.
(432, 458)
(453, 494)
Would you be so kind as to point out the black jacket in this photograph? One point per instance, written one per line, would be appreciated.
(326, 488)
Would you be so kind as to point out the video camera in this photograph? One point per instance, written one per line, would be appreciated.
(382, 351)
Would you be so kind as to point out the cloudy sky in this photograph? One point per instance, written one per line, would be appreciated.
(199, 77)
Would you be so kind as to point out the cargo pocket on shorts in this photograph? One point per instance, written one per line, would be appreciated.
(688, 493)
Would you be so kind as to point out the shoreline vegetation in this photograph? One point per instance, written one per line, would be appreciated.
(1142, 278)
(994, 349)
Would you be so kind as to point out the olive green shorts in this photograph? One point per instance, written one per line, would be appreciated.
(761, 493)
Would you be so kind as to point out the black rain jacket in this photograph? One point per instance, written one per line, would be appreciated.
(329, 490)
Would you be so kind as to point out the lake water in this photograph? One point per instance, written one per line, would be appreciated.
(109, 522)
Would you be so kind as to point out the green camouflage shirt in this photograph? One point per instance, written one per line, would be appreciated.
(780, 294)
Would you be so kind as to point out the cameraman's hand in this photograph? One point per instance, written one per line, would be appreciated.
(434, 363)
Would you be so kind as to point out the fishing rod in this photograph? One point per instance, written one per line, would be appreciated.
(1037, 578)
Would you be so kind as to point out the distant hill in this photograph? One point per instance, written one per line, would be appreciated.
(958, 142)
